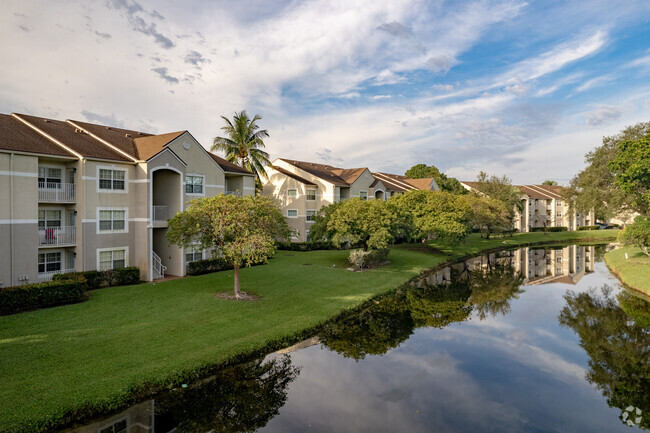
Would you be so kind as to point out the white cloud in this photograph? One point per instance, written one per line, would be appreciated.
(603, 115)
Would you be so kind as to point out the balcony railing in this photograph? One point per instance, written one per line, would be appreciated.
(57, 236)
(47, 276)
(55, 192)
(235, 193)
(160, 213)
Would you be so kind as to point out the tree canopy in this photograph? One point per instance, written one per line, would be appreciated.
(549, 182)
(637, 234)
(595, 187)
(371, 223)
(449, 184)
(243, 143)
(631, 168)
(242, 230)
(488, 215)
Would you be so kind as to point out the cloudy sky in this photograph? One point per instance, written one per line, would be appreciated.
(509, 87)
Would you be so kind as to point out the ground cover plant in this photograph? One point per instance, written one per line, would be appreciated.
(96, 354)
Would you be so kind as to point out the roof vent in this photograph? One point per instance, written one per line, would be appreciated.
(47, 120)
(128, 135)
(108, 127)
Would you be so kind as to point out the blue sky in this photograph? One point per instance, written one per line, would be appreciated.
(518, 88)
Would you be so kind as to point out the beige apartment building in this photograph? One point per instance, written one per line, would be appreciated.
(544, 206)
(80, 196)
(302, 188)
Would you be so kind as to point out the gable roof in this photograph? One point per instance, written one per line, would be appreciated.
(149, 146)
(395, 182)
(349, 175)
(545, 192)
(294, 176)
(228, 166)
(16, 136)
(321, 171)
(423, 183)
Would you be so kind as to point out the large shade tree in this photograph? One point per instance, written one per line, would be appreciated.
(631, 166)
(243, 143)
(449, 184)
(241, 230)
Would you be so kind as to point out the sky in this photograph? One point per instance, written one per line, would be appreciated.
(522, 89)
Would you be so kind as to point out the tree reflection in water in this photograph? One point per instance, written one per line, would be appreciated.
(241, 398)
(390, 320)
(618, 345)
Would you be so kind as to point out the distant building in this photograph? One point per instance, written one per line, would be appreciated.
(303, 188)
(543, 206)
(77, 196)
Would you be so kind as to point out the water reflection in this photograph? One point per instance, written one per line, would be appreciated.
(480, 349)
(617, 341)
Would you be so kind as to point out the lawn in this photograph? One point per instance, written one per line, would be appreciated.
(94, 354)
(633, 270)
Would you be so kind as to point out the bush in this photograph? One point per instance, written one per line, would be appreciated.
(637, 234)
(41, 295)
(548, 229)
(363, 259)
(306, 246)
(207, 266)
(588, 227)
(96, 279)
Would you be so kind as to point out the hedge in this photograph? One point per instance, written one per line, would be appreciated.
(548, 229)
(208, 266)
(96, 279)
(306, 246)
(41, 295)
(588, 227)
(363, 259)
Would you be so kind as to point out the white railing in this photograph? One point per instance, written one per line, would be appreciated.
(235, 193)
(158, 268)
(47, 276)
(56, 192)
(57, 236)
(160, 213)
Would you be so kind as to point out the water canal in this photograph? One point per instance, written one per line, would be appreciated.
(529, 340)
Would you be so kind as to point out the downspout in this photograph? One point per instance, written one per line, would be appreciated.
(11, 218)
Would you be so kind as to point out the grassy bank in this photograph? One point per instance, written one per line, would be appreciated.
(95, 354)
(633, 271)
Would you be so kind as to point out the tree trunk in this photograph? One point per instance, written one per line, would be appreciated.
(365, 246)
(237, 292)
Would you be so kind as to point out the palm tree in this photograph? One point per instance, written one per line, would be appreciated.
(243, 143)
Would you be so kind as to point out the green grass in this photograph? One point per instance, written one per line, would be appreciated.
(95, 354)
(633, 271)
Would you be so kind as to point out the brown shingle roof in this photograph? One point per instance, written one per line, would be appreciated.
(424, 183)
(151, 145)
(294, 176)
(395, 182)
(122, 139)
(16, 136)
(349, 175)
(76, 140)
(228, 166)
(322, 171)
(545, 192)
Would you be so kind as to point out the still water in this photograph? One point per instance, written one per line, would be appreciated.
(530, 340)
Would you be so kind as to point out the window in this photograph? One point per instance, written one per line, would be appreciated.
(558, 259)
(111, 179)
(310, 215)
(112, 259)
(49, 262)
(559, 214)
(193, 253)
(194, 184)
(307, 236)
(292, 192)
(49, 177)
(49, 218)
(311, 194)
(559, 202)
(363, 195)
(292, 213)
(112, 220)
(116, 427)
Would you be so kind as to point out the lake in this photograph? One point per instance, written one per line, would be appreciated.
(528, 340)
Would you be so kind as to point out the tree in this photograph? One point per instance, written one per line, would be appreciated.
(371, 223)
(631, 167)
(488, 215)
(637, 234)
(549, 182)
(318, 230)
(500, 188)
(594, 187)
(449, 184)
(242, 230)
(243, 143)
(435, 214)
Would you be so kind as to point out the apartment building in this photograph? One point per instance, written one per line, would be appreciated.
(80, 196)
(302, 188)
(543, 206)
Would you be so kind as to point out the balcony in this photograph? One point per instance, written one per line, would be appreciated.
(47, 276)
(57, 236)
(160, 216)
(56, 192)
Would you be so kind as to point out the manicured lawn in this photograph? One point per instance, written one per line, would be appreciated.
(93, 354)
(634, 270)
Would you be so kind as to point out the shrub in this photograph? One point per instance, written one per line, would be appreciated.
(363, 259)
(96, 279)
(548, 229)
(637, 234)
(306, 246)
(588, 227)
(207, 266)
(41, 295)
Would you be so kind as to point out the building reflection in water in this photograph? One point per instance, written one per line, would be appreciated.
(537, 265)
